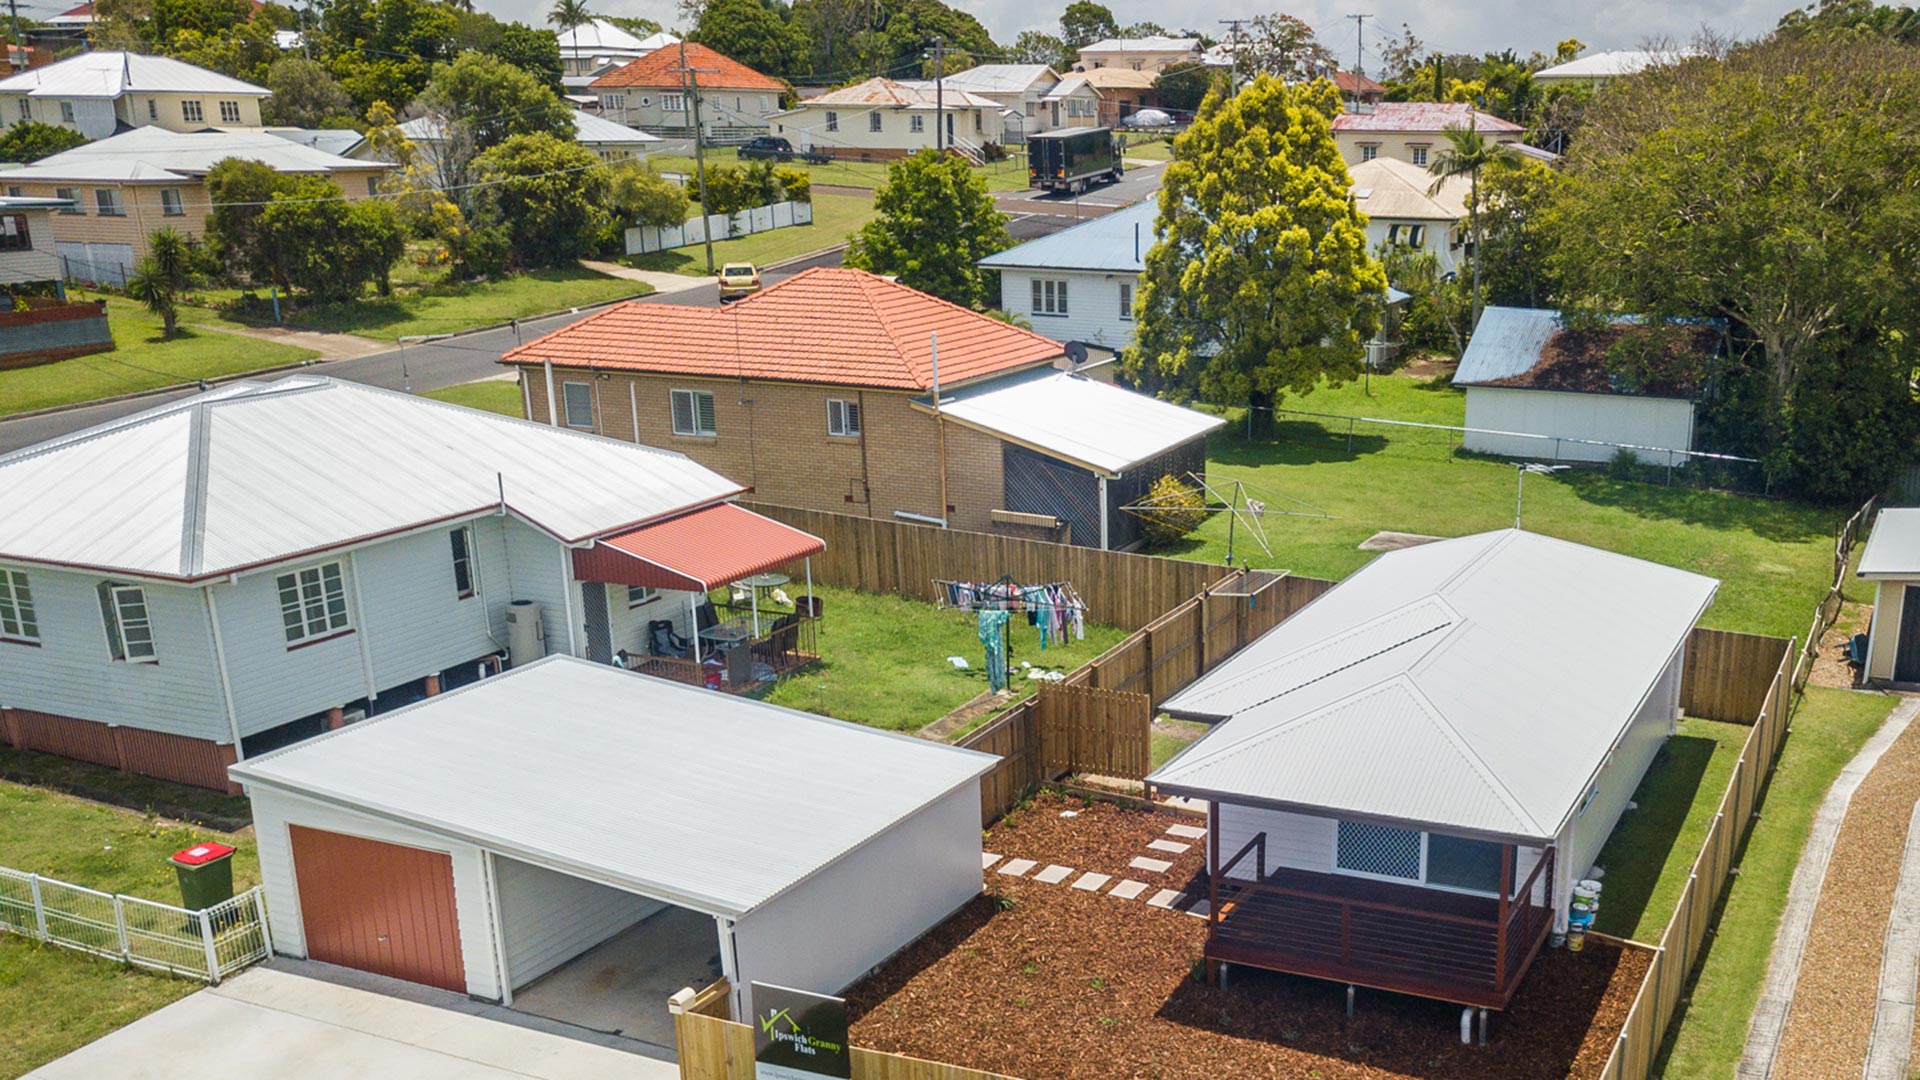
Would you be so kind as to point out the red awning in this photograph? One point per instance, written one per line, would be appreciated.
(695, 552)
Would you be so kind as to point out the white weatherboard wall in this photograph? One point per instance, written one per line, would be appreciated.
(868, 904)
(274, 811)
(38, 263)
(1093, 304)
(1620, 775)
(1883, 643)
(547, 918)
(1643, 421)
(541, 571)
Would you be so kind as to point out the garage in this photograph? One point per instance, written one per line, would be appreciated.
(578, 841)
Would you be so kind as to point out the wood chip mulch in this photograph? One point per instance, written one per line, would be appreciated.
(1830, 664)
(1043, 981)
(1831, 1019)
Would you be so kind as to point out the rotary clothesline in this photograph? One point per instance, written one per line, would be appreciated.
(1055, 609)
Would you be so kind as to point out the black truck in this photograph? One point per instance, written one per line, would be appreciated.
(1072, 160)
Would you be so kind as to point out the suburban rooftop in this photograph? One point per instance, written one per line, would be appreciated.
(111, 74)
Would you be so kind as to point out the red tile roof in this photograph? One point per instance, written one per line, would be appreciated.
(696, 552)
(663, 68)
(1354, 83)
(1423, 116)
(831, 325)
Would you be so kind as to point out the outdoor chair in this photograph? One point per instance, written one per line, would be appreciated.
(781, 644)
(662, 641)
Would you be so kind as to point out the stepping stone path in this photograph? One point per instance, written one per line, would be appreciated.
(1151, 866)
(1127, 890)
(1186, 832)
(1172, 847)
(987, 859)
(1053, 875)
(1167, 898)
(1018, 867)
(1092, 882)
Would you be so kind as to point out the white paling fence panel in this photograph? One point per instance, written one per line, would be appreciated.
(646, 239)
(210, 944)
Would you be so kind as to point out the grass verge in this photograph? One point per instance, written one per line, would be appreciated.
(489, 395)
(1008, 175)
(449, 307)
(835, 218)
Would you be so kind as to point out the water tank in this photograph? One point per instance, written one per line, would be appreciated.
(526, 636)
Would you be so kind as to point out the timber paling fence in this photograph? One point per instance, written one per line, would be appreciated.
(209, 944)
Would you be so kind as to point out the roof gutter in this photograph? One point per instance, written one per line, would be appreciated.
(1340, 814)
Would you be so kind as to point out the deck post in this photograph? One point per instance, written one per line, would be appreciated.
(1500, 933)
(1213, 882)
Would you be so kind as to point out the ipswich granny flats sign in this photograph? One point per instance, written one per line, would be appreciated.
(798, 1035)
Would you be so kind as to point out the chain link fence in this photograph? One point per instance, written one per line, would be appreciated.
(209, 944)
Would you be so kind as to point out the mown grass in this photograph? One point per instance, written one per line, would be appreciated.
(449, 307)
(835, 218)
(141, 360)
(1326, 492)
(489, 395)
(1008, 175)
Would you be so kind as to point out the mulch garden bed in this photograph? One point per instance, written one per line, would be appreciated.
(1043, 981)
(1830, 664)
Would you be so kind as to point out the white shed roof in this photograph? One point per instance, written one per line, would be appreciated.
(1472, 685)
(254, 473)
(1893, 547)
(157, 154)
(705, 800)
(111, 74)
(1607, 65)
(1092, 424)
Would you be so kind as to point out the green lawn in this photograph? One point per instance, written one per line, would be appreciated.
(1157, 150)
(141, 360)
(1008, 175)
(884, 660)
(1827, 730)
(491, 395)
(1772, 556)
(835, 218)
(445, 308)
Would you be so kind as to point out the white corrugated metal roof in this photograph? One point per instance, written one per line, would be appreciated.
(1472, 685)
(110, 74)
(1113, 242)
(254, 473)
(706, 800)
(1092, 424)
(154, 153)
(1606, 65)
(1893, 547)
(999, 78)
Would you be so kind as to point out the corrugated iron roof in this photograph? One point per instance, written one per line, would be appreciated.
(1091, 424)
(255, 473)
(1000, 78)
(1473, 685)
(1427, 117)
(831, 325)
(709, 801)
(710, 547)
(1893, 547)
(1614, 63)
(111, 74)
(155, 153)
(664, 68)
(1506, 342)
(902, 94)
(1113, 243)
(1390, 188)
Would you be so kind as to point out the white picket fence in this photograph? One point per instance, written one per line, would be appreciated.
(210, 944)
(643, 239)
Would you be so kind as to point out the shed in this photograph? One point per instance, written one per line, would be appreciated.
(1540, 390)
(1892, 562)
(482, 840)
(1406, 777)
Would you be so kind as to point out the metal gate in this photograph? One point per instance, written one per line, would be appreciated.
(599, 623)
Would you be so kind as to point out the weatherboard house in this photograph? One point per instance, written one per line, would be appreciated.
(1406, 778)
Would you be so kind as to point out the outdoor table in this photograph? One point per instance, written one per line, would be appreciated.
(757, 582)
(731, 639)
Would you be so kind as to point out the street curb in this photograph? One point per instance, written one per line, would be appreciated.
(158, 391)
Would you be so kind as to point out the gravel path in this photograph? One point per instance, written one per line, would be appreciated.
(1831, 1020)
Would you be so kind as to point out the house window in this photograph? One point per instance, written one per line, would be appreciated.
(313, 602)
(129, 628)
(192, 112)
(373, 185)
(108, 200)
(1378, 850)
(72, 195)
(66, 112)
(674, 102)
(763, 104)
(1049, 297)
(693, 412)
(873, 121)
(26, 109)
(14, 191)
(578, 399)
(17, 620)
(916, 124)
(1456, 862)
(13, 233)
(170, 204)
(638, 595)
(153, 109)
(229, 112)
(843, 417)
(833, 121)
(1126, 300)
(1410, 235)
(461, 540)
(613, 101)
(1369, 152)
(1420, 156)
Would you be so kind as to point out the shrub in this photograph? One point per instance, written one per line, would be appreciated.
(1173, 509)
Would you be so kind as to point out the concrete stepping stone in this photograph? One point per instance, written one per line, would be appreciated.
(1167, 898)
(1172, 847)
(1127, 890)
(987, 859)
(1199, 909)
(1091, 882)
(1053, 875)
(1018, 867)
(1186, 832)
(1151, 866)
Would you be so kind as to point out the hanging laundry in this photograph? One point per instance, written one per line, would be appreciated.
(993, 635)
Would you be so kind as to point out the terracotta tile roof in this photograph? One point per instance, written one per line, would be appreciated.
(831, 325)
(1423, 116)
(662, 68)
(1353, 83)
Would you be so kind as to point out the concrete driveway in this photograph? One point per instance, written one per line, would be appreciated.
(296, 1021)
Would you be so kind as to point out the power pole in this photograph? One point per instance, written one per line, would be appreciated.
(1239, 44)
(690, 86)
(13, 7)
(939, 94)
(1360, 43)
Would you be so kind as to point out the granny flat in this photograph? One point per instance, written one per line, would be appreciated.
(1406, 777)
(665, 835)
(1892, 562)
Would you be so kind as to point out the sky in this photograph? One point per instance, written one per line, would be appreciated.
(1472, 26)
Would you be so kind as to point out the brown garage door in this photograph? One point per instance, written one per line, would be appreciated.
(378, 907)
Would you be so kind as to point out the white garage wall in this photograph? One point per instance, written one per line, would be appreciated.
(274, 811)
(547, 918)
(1660, 422)
(870, 903)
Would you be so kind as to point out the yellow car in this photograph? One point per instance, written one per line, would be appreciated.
(738, 280)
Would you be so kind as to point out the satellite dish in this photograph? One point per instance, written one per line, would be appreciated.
(1076, 353)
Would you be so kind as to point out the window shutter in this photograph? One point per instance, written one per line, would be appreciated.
(682, 412)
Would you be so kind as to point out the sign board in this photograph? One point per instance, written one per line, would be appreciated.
(799, 1035)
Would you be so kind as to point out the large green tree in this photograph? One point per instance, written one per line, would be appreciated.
(305, 94)
(1516, 233)
(384, 50)
(754, 33)
(548, 193)
(1085, 22)
(934, 220)
(300, 232)
(476, 103)
(31, 140)
(1260, 283)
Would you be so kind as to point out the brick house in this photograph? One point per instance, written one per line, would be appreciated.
(653, 94)
(819, 392)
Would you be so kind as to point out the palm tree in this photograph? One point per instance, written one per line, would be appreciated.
(569, 14)
(159, 279)
(1468, 152)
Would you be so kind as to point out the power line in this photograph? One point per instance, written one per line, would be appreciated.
(1360, 42)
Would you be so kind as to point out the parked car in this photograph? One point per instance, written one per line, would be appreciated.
(1147, 118)
(775, 148)
(738, 280)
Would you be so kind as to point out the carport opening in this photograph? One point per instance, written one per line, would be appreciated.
(599, 957)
